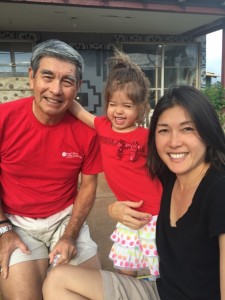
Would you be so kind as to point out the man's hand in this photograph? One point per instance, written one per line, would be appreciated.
(9, 241)
(66, 247)
(125, 213)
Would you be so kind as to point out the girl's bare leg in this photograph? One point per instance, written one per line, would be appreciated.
(73, 283)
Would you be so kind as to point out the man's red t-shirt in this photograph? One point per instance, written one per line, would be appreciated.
(40, 164)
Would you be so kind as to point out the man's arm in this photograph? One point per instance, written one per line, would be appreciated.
(82, 206)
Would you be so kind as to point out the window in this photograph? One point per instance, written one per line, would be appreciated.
(181, 64)
(15, 58)
(165, 65)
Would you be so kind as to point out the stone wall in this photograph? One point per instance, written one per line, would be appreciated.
(12, 88)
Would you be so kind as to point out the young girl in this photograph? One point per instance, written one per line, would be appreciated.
(123, 141)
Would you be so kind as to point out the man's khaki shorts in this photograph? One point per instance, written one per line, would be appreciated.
(117, 287)
(41, 235)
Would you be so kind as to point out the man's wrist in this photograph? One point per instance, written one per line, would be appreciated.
(5, 221)
(5, 229)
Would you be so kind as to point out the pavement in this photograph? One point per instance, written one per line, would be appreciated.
(101, 225)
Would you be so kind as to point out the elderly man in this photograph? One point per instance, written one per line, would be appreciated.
(43, 150)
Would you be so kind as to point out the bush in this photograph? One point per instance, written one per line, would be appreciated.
(216, 94)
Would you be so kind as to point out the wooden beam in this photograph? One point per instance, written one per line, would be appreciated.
(134, 5)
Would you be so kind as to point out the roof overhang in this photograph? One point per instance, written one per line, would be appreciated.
(131, 17)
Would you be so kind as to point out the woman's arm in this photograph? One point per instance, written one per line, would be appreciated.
(222, 265)
(82, 114)
(125, 213)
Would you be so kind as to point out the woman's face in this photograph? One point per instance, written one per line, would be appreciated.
(178, 142)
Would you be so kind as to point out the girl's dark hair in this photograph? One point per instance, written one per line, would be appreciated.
(128, 76)
(205, 119)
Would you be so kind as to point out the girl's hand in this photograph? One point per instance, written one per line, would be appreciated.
(125, 213)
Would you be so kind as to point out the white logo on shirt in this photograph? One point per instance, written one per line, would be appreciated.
(71, 155)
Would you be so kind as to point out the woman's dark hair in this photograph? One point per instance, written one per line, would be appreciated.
(206, 122)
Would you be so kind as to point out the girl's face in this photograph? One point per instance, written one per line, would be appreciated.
(122, 112)
(178, 142)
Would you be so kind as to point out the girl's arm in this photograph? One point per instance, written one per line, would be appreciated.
(222, 265)
(82, 114)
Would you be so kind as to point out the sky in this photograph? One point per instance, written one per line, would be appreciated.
(214, 53)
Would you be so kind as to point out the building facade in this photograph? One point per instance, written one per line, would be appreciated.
(166, 58)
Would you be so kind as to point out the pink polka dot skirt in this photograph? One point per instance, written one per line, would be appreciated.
(135, 249)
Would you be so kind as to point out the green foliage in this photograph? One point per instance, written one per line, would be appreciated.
(216, 94)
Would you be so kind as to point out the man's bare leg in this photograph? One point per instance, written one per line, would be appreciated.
(25, 280)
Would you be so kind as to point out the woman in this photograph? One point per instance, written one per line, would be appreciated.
(187, 152)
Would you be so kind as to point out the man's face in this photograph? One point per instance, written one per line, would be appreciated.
(54, 87)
